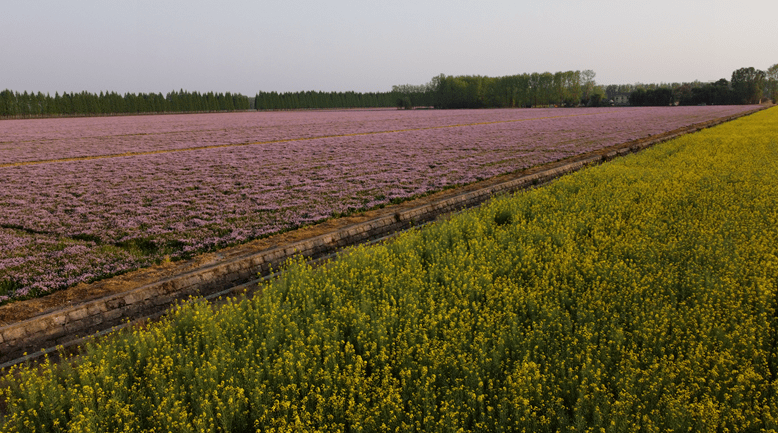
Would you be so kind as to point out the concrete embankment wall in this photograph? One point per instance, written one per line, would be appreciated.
(72, 323)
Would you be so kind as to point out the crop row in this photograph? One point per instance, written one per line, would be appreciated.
(73, 221)
(639, 295)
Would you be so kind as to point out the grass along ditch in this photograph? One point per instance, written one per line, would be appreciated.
(635, 295)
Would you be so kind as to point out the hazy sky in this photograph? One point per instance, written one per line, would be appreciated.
(245, 46)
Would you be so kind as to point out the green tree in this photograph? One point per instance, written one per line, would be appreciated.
(638, 98)
(587, 85)
(748, 85)
(559, 88)
(574, 87)
(7, 103)
(597, 97)
(772, 83)
(404, 102)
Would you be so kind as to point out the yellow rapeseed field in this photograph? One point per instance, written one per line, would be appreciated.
(636, 296)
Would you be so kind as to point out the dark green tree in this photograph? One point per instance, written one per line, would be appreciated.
(772, 83)
(748, 84)
(7, 103)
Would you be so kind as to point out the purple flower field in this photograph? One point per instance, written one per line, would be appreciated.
(66, 221)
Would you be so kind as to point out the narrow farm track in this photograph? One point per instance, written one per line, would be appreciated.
(82, 311)
(253, 143)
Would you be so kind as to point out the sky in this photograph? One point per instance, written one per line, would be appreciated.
(156, 46)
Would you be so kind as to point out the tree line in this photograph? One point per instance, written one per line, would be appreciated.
(15, 104)
(313, 99)
(568, 88)
(562, 89)
(747, 86)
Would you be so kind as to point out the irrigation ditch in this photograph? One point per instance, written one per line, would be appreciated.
(66, 319)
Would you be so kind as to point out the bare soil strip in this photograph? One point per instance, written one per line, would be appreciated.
(68, 316)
